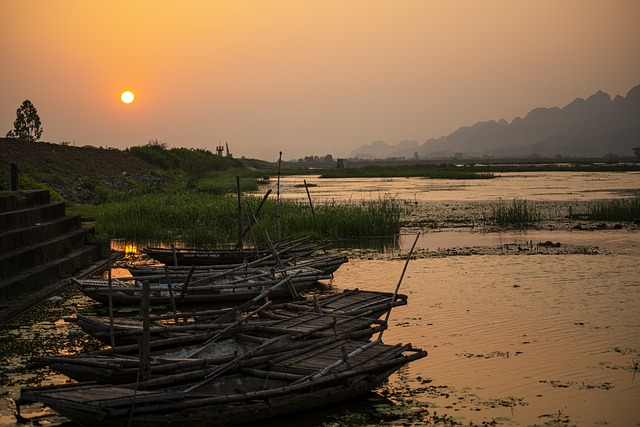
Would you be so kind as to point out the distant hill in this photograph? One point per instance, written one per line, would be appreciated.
(592, 127)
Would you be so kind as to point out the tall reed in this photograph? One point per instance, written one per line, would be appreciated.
(201, 218)
(518, 214)
(627, 209)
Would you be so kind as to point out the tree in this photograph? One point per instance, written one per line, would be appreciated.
(27, 125)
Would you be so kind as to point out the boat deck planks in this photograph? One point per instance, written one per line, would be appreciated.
(94, 398)
(331, 353)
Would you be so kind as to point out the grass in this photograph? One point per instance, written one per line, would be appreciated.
(219, 184)
(517, 214)
(614, 210)
(201, 218)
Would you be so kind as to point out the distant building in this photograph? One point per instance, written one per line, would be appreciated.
(342, 163)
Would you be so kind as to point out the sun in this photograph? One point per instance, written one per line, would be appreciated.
(127, 97)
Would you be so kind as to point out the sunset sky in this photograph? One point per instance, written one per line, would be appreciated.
(304, 77)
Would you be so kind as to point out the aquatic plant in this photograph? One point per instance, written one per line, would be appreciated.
(518, 214)
(627, 209)
(198, 217)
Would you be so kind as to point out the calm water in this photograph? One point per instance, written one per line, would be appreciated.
(522, 339)
(514, 337)
(551, 186)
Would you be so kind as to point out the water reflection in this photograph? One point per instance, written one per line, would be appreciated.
(551, 186)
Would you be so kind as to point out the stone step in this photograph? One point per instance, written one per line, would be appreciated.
(12, 262)
(44, 274)
(18, 200)
(21, 237)
(28, 217)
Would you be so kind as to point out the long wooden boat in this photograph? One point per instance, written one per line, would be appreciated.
(117, 365)
(241, 286)
(328, 263)
(352, 302)
(285, 249)
(230, 395)
(127, 330)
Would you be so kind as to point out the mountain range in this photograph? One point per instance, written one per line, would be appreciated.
(594, 127)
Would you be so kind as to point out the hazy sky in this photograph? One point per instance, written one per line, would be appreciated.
(304, 77)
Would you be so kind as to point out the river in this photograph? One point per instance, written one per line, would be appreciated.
(517, 333)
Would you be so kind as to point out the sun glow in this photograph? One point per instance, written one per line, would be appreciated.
(127, 97)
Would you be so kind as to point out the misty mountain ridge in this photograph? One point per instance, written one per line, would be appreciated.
(592, 127)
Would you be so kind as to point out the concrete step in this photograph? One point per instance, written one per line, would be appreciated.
(43, 275)
(18, 200)
(12, 262)
(28, 217)
(21, 237)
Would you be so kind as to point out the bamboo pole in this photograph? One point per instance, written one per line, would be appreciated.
(395, 293)
(240, 233)
(278, 198)
(145, 346)
(246, 230)
(171, 295)
(111, 329)
(266, 236)
(186, 283)
(315, 220)
(175, 254)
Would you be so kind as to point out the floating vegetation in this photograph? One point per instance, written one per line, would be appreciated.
(556, 420)
(508, 402)
(580, 385)
(491, 355)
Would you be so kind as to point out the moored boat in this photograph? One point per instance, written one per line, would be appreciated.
(231, 395)
(220, 288)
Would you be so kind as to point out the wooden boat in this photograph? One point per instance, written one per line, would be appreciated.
(221, 288)
(126, 330)
(328, 263)
(285, 249)
(121, 364)
(352, 302)
(129, 330)
(232, 394)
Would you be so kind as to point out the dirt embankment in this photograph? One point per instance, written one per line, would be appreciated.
(73, 172)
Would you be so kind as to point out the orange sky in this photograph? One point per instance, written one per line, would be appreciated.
(304, 77)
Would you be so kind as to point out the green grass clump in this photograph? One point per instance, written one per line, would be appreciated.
(614, 210)
(220, 184)
(342, 220)
(190, 217)
(201, 218)
(517, 214)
